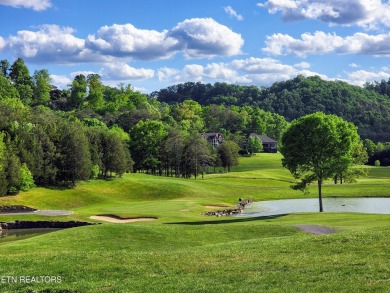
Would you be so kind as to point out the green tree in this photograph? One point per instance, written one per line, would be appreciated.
(315, 145)
(20, 76)
(7, 90)
(95, 97)
(228, 154)
(196, 154)
(26, 180)
(255, 144)
(74, 162)
(41, 87)
(78, 91)
(146, 139)
(4, 67)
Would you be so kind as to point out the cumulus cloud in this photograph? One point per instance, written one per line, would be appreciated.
(2, 43)
(365, 13)
(37, 5)
(128, 41)
(229, 10)
(322, 43)
(262, 71)
(50, 43)
(360, 77)
(60, 81)
(165, 73)
(204, 37)
(122, 71)
(195, 38)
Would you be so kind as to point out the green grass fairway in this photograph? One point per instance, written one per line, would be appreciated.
(184, 251)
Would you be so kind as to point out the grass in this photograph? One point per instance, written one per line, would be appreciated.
(186, 251)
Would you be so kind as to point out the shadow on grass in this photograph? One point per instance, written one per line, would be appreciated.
(230, 220)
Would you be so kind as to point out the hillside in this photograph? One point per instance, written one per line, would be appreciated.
(367, 109)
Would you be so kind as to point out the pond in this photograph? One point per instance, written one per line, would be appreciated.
(279, 207)
(19, 234)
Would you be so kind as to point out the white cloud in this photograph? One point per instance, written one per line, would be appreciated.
(165, 73)
(122, 71)
(354, 65)
(50, 43)
(201, 38)
(229, 10)
(60, 81)
(261, 71)
(369, 14)
(360, 77)
(198, 37)
(322, 43)
(127, 41)
(2, 43)
(37, 5)
(204, 37)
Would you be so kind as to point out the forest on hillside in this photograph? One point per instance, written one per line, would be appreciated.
(51, 136)
(368, 108)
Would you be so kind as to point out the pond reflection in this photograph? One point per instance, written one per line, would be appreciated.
(288, 206)
(19, 234)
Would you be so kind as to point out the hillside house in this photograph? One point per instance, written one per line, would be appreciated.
(214, 138)
(269, 145)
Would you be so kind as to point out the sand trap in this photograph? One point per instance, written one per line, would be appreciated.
(216, 207)
(113, 219)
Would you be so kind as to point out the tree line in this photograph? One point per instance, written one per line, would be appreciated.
(51, 136)
(368, 108)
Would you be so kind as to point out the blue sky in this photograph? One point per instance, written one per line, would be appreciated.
(152, 44)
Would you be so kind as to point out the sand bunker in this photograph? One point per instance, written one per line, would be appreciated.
(114, 219)
(216, 207)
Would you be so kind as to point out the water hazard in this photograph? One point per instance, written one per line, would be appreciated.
(341, 205)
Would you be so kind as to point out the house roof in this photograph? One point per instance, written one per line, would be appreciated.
(212, 135)
(264, 139)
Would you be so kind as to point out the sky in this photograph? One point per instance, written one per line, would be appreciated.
(153, 44)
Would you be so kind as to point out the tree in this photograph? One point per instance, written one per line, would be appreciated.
(4, 67)
(255, 144)
(20, 76)
(96, 96)
(315, 145)
(146, 138)
(196, 153)
(74, 162)
(78, 91)
(41, 87)
(228, 154)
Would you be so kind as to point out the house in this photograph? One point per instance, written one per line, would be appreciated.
(269, 145)
(214, 138)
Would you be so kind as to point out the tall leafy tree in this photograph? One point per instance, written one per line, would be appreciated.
(7, 90)
(228, 154)
(20, 76)
(255, 144)
(95, 97)
(196, 154)
(4, 67)
(315, 145)
(78, 91)
(41, 87)
(74, 162)
(146, 138)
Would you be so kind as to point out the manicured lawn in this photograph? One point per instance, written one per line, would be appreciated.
(184, 251)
